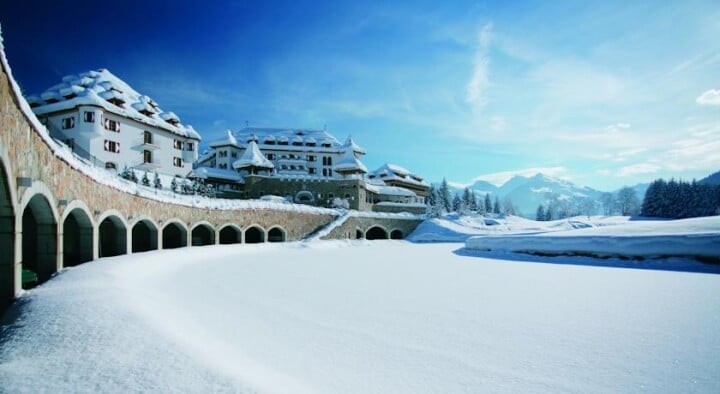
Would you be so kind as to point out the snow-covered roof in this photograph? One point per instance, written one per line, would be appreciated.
(102, 88)
(390, 190)
(395, 172)
(350, 143)
(216, 173)
(252, 157)
(287, 134)
(349, 163)
(229, 139)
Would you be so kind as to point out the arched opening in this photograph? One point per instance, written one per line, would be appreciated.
(230, 235)
(203, 235)
(39, 240)
(174, 236)
(112, 237)
(396, 234)
(276, 234)
(144, 236)
(254, 235)
(359, 234)
(7, 242)
(304, 197)
(376, 233)
(77, 238)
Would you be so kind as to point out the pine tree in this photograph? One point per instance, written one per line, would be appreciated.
(157, 182)
(496, 206)
(488, 204)
(457, 204)
(145, 179)
(540, 213)
(466, 198)
(174, 185)
(445, 197)
(473, 202)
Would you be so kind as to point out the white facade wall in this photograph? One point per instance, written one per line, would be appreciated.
(92, 137)
(287, 159)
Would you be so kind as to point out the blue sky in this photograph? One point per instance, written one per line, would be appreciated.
(603, 94)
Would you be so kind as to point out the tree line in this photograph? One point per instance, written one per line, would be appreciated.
(681, 199)
(441, 200)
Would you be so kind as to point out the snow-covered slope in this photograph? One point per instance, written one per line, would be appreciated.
(686, 237)
(360, 317)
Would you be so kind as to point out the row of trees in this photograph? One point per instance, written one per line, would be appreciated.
(625, 203)
(178, 185)
(440, 200)
(681, 199)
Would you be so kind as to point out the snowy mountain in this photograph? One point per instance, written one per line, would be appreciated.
(712, 179)
(527, 193)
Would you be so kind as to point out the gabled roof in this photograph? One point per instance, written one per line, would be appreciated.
(102, 88)
(349, 163)
(395, 172)
(252, 157)
(350, 144)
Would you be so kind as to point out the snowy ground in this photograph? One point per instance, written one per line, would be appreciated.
(381, 316)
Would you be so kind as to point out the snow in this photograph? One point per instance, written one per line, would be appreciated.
(350, 144)
(252, 157)
(96, 88)
(348, 162)
(361, 317)
(686, 237)
(284, 134)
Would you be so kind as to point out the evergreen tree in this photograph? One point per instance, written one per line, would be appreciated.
(540, 213)
(145, 179)
(436, 208)
(549, 211)
(174, 185)
(466, 199)
(473, 202)
(157, 182)
(445, 197)
(457, 204)
(488, 204)
(432, 197)
(496, 206)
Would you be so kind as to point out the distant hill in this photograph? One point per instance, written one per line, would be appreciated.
(712, 179)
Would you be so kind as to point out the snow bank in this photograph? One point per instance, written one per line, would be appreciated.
(360, 317)
(688, 237)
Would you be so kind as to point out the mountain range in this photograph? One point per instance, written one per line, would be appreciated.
(527, 193)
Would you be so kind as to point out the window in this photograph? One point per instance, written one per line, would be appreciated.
(312, 170)
(312, 158)
(223, 166)
(110, 166)
(233, 154)
(147, 156)
(111, 125)
(89, 117)
(177, 161)
(190, 146)
(324, 161)
(326, 145)
(177, 144)
(68, 123)
(147, 137)
(329, 161)
(271, 156)
(329, 172)
(283, 167)
(324, 171)
(112, 146)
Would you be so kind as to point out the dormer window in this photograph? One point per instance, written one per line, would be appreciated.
(326, 145)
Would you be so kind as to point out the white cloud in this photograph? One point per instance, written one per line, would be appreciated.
(636, 169)
(499, 178)
(711, 97)
(617, 127)
(480, 81)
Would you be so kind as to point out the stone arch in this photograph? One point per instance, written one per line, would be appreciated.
(396, 234)
(276, 234)
(174, 234)
(7, 233)
(230, 234)
(38, 229)
(112, 234)
(254, 234)
(144, 234)
(376, 232)
(359, 234)
(202, 233)
(78, 231)
(304, 197)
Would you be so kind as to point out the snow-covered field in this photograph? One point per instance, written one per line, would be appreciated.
(359, 316)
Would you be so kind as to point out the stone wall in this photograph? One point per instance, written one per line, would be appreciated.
(352, 224)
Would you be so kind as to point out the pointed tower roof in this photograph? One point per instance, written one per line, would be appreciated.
(228, 140)
(350, 143)
(350, 164)
(253, 158)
